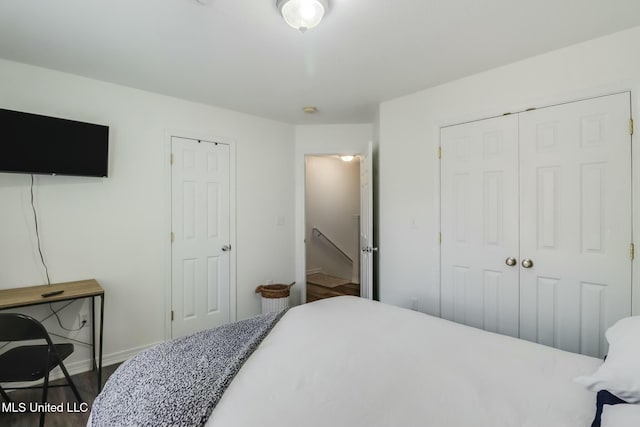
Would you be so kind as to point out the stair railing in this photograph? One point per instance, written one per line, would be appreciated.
(320, 234)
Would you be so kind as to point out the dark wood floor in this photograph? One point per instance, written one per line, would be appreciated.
(316, 292)
(87, 386)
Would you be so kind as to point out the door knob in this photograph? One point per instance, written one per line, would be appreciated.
(226, 248)
(511, 261)
(527, 263)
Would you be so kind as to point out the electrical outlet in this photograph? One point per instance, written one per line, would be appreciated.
(83, 318)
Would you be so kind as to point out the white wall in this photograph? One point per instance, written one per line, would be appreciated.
(332, 204)
(117, 229)
(409, 137)
(319, 139)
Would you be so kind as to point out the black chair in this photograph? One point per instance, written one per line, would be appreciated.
(31, 362)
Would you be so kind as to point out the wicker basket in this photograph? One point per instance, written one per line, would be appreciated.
(274, 297)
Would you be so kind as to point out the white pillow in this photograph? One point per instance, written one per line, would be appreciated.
(620, 416)
(620, 372)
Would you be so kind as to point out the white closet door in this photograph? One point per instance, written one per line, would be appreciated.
(479, 223)
(200, 221)
(575, 192)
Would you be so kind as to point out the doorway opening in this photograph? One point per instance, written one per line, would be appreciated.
(332, 226)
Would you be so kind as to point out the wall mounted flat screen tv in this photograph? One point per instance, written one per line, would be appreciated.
(30, 143)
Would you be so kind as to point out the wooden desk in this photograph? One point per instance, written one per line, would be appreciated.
(32, 295)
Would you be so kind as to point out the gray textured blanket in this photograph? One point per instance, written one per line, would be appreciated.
(178, 383)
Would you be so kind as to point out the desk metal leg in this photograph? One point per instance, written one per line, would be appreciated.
(93, 333)
(101, 334)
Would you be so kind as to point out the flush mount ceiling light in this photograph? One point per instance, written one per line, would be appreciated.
(348, 158)
(302, 14)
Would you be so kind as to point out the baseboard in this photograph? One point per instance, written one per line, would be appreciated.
(121, 356)
(86, 366)
(314, 271)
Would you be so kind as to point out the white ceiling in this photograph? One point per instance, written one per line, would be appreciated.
(241, 55)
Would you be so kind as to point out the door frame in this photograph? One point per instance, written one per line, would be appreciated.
(300, 212)
(169, 134)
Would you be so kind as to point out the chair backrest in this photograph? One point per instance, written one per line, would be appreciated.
(20, 327)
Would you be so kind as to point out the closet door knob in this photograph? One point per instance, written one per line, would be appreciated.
(527, 263)
(511, 261)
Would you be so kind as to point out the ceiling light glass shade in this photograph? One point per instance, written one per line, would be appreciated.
(347, 158)
(302, 14)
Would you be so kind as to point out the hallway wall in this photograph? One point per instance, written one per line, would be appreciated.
(332, 205)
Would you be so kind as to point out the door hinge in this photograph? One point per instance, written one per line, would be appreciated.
(172, 315)
(632, 251)
(440, 237)
(439, 152)
(171, 159)
(172, 237)
(630, 126)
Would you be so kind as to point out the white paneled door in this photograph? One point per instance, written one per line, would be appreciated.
(536, 223)
(200, 222)
(480, 224)
(575, 187)
(367, 248)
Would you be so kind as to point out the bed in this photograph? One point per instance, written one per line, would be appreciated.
(348, 361)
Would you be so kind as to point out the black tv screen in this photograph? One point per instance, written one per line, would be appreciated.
(30, 143)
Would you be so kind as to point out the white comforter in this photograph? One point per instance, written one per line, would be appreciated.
(352, 362)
